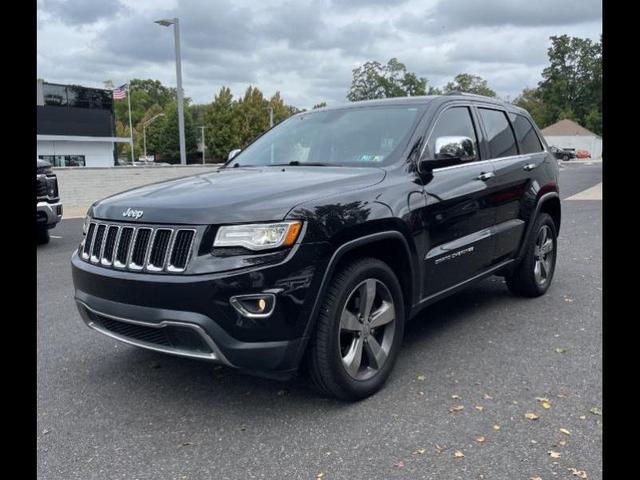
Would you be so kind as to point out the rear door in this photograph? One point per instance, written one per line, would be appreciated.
(457, 216)
(516, 151)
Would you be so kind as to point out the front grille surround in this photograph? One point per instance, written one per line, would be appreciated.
(138, 248)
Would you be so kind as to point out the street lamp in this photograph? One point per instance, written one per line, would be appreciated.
(144, 132)
(176, 32)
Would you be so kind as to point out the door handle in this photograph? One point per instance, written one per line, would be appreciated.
(529, 166)
(484, 176)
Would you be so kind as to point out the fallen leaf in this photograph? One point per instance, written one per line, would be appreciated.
(542, 399)
(596, 411)
(561, 350)
(480, 439)
(456, 408)
(496, 428)
(531, 416)
(45, 431)
(420, 393)
(565, 431)
(319, 476)
(553, 454)
(421, 378)
(562, 443)
(455, 397)
(487, 397)
(568, 300)
(439, 448)
(578, 473)
(583, 417)
(458, 454)
(479, 408)
(546, 405)
(420, 451)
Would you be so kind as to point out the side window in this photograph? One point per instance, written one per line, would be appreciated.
(502, 143)
(526, 134)
(455, 121)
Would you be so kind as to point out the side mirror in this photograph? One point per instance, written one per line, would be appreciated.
(233, 153)
(450, 150)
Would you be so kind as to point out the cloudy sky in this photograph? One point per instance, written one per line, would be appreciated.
(306, 49)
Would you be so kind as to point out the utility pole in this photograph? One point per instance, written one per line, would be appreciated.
(204, 146)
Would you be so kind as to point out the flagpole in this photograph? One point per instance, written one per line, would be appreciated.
(130, 124)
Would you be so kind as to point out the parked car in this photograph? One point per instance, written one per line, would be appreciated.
(48, 206)
(316, 244)
(583, 154)
(563, 153)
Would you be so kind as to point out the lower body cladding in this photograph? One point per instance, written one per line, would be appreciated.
(194, 316)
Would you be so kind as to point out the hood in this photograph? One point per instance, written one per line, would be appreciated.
(234, 195)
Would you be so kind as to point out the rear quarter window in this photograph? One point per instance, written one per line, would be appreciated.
(502, 143)
(526, 134)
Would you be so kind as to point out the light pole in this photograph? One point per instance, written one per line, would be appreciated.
(270, 116)
(176, 32)
(144, 132)
(202, 127)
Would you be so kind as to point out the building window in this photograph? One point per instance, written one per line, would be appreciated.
(76, 96)
(64, 160)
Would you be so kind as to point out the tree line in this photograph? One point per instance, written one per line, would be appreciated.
(571, 87)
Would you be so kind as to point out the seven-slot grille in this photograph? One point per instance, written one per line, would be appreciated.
(138, 248)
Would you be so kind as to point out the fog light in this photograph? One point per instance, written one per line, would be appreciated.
(254, 306)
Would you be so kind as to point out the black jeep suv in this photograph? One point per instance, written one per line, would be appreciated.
(317, 243)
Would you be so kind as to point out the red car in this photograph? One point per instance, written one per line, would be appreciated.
(583, 154)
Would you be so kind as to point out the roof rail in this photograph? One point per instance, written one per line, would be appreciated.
(466, 94)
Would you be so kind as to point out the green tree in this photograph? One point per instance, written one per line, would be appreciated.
(170, 146)
(571, 85)
(319, 105)
(251, 115)
(530, 100)
(221, 122)
(468, 83)
(374, 80)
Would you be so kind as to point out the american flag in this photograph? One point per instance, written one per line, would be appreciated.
(120, 92)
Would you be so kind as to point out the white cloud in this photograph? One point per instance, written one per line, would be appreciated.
(306, 49)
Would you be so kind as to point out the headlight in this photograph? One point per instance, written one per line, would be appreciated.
(259, 236)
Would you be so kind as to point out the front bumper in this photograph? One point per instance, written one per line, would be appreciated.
(190, 315)
(48, 214)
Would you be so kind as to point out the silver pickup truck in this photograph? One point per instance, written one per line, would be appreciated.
(48, 206)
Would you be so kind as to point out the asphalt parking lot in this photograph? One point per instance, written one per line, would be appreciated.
(110, 411)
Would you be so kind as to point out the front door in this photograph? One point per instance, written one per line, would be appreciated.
(458, 216)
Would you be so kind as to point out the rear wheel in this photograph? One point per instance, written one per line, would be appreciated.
(359, 331)
(534, 274)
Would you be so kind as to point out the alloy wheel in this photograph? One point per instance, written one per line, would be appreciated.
(543, 255)
(367, 329)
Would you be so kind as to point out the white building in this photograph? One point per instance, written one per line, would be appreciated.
(75, 126)
(568, 134)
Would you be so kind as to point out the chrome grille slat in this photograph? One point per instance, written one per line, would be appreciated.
(138, 248)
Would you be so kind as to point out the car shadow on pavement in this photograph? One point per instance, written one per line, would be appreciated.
(170, 381)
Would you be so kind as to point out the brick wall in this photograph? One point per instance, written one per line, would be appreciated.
(81, 186)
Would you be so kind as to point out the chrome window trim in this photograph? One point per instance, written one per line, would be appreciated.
(480, 162)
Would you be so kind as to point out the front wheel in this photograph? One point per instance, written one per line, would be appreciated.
(359, 331)
(42, 235)
(535, 272)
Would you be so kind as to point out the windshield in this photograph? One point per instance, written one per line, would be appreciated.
(369, 136)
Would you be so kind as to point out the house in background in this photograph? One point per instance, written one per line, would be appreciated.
(568, 134)
(75, 126)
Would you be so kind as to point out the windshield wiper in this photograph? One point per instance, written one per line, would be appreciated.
(296, 163)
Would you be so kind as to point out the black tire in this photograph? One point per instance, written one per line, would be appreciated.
(565, 157)
(524, 281)
(325, 360)
(42, 235)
